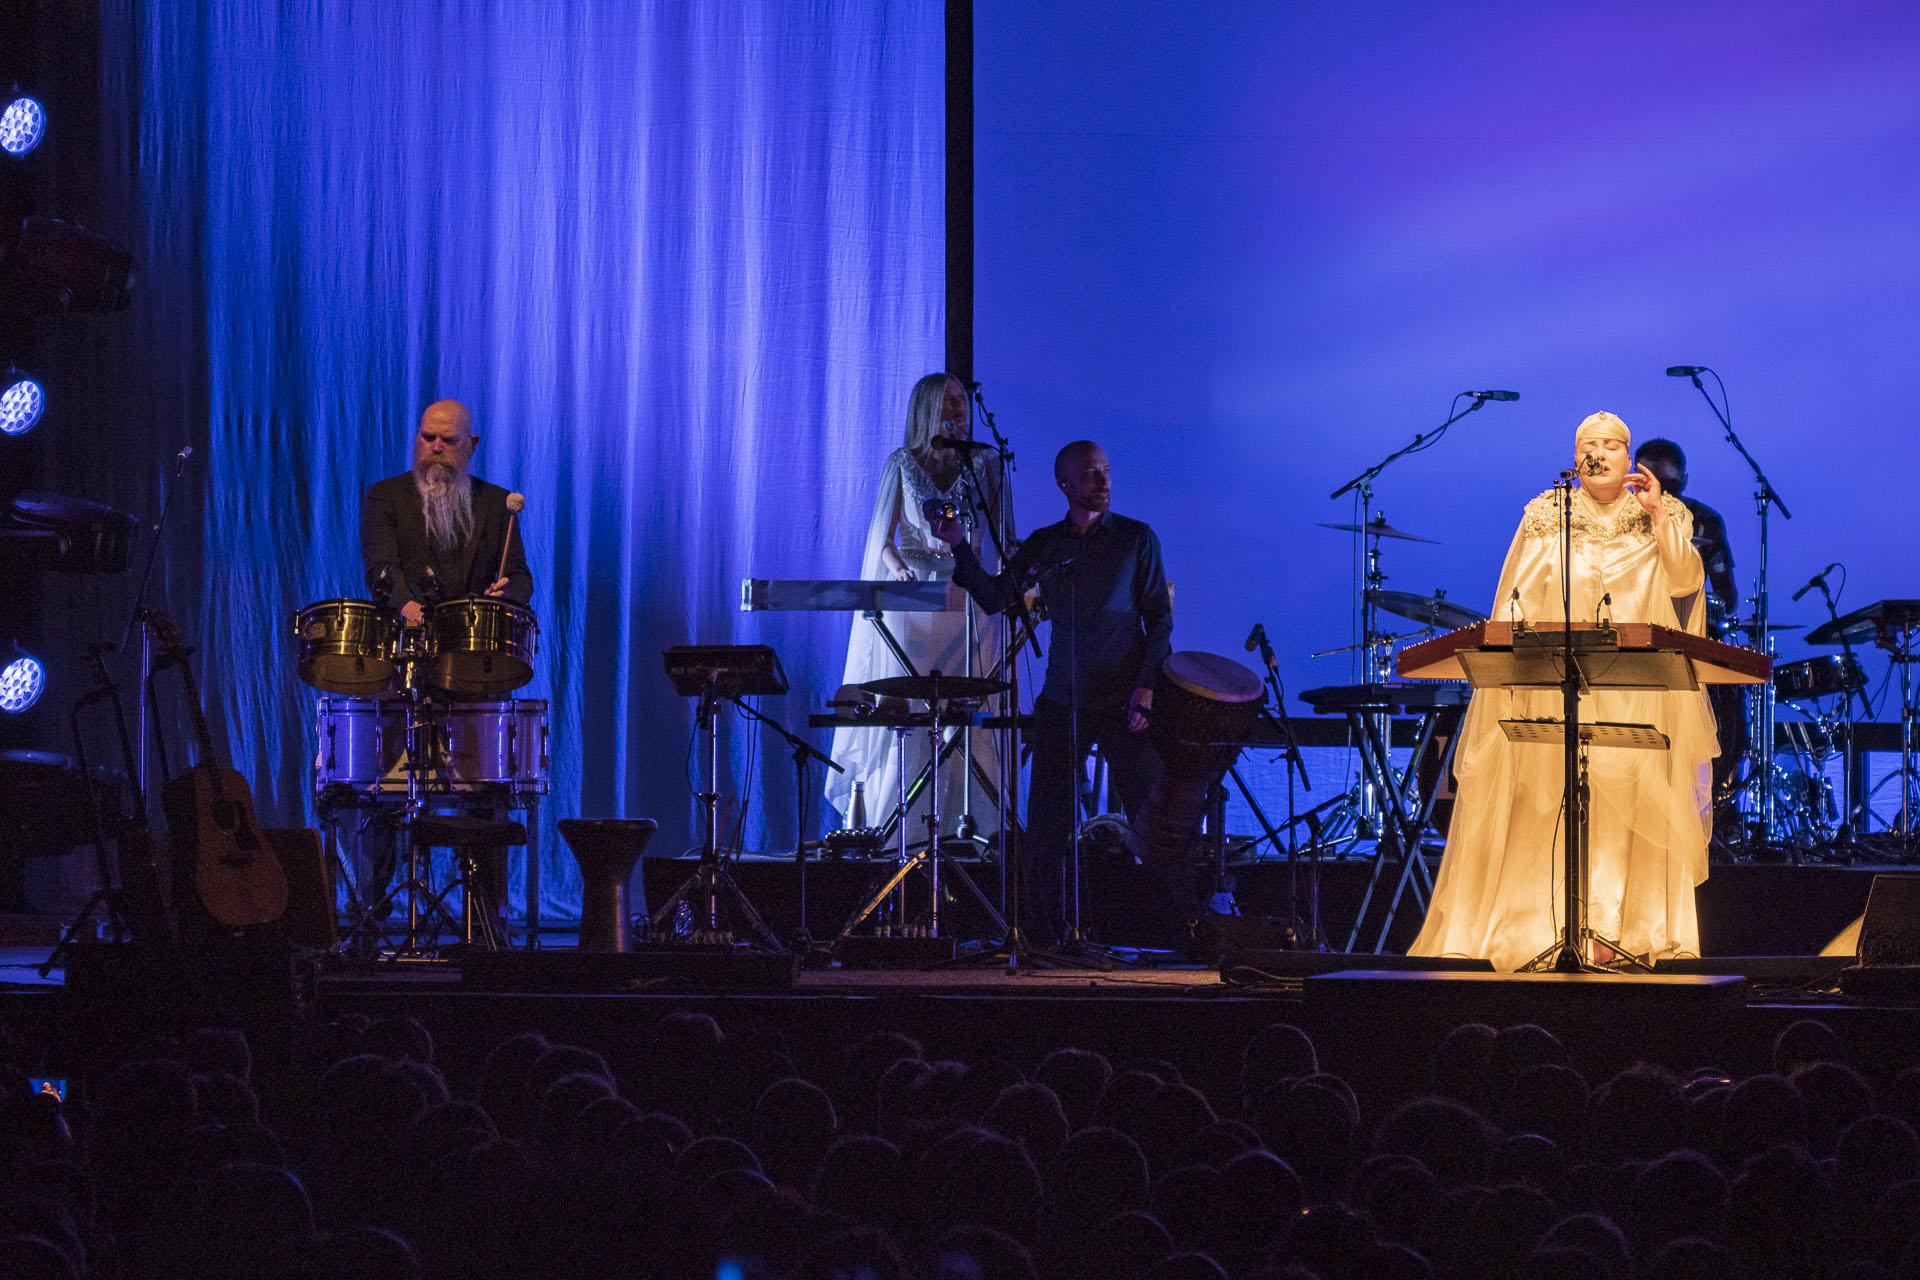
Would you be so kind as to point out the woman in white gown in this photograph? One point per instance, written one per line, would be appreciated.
(901, 546)
(1499, 892)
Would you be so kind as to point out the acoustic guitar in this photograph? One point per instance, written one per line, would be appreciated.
(209, 809)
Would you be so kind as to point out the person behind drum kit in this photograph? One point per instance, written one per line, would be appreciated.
(432, 534)
(435, 532)
(1105, 587)
(1668, 463)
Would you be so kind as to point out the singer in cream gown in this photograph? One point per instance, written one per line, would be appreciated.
(1499, 892)
(900, 546)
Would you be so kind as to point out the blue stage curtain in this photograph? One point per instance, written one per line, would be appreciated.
(682, 261)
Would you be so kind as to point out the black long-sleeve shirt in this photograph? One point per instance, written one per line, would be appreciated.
(1111, 602)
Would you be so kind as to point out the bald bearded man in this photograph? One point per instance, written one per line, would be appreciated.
(434, 533)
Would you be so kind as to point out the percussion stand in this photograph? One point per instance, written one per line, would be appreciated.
(1766, 497)
(424, 927)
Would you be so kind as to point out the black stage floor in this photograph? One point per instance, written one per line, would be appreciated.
(1374, 1025)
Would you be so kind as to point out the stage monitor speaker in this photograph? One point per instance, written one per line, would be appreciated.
(1889, 952)
(1890, 930)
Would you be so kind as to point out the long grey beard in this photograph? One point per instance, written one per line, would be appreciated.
(446, 499)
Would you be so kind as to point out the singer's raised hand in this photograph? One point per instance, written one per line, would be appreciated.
(1645, 487)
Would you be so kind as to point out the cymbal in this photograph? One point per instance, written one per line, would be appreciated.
(1434, 610)
(1377, 529)
(1869, 622)
(936, 686)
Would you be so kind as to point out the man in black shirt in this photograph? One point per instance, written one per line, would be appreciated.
(1105, 589)
(436, 532)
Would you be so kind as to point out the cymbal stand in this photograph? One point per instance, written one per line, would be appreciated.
(1853, 804)
(1898, 642)
(712, 877)
(1765, 497)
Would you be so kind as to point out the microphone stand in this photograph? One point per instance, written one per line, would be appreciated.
(1765, 496)
(136, 616)
(1012, 837)
(1376, 665)
(1309, 937)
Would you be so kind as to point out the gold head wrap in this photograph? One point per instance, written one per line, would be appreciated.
(1604, 426)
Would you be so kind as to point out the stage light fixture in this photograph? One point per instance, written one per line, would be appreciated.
(22, 401)
(20, 683)
(23, 123)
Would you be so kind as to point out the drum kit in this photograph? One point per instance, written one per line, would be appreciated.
(419, 719)
(1824, 691)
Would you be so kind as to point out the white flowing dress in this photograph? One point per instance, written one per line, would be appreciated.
(1499, 893)
(934, 641)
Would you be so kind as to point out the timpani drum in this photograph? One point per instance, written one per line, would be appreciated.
(346, 647)
(481, 647)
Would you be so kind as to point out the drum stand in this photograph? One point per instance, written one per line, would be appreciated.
(712, 878)
(424, 925)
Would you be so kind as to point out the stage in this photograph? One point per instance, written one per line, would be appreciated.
(1375, 1019)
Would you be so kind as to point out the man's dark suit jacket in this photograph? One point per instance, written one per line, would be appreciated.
(393, 535)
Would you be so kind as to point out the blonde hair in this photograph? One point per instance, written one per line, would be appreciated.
(923, 412)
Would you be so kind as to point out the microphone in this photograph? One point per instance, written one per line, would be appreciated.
(1493, 395)
(1592, 466)
(180, 458)
(1686, 370)
(955, 442)
(1817, 580)
(1255, 637)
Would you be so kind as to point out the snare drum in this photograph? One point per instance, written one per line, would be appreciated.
(362, 741)
(345, 646)
(498, 744)
(482, 647)
(1821, 677)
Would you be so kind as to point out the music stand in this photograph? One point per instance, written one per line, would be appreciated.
(713, 672)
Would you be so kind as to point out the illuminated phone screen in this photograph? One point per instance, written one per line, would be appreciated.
(55, 1085)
